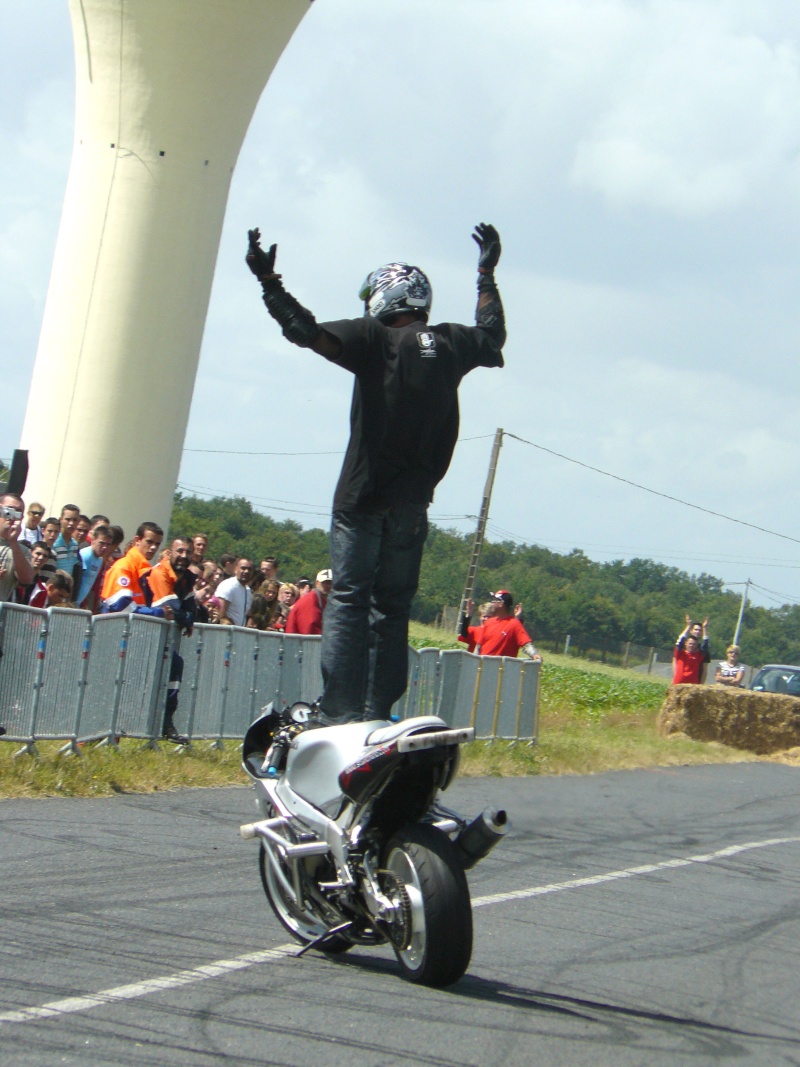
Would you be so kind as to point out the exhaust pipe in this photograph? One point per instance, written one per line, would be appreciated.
(478, 839)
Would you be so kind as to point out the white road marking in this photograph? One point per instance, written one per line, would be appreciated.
(630, 872)
(70, 1005)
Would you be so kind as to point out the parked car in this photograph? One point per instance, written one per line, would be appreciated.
(777, 678)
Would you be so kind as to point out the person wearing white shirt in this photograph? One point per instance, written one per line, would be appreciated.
(235, 595)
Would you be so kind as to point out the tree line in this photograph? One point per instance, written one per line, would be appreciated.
(637, 600)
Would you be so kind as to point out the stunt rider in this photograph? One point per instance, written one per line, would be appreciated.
(403, 429)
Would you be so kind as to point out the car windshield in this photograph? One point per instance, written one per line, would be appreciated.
(778, 680)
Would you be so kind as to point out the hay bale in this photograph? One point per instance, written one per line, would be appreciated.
(757, 722)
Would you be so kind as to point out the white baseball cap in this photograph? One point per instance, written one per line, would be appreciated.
(325, 576)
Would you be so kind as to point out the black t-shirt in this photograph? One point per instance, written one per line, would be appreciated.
(404, 415)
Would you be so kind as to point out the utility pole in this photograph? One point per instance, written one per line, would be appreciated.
(741, 613)
(482, 520)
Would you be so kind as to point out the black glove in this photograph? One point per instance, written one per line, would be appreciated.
(261, 263)
(488, 240)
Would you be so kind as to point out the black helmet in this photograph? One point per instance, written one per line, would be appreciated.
(394, 288)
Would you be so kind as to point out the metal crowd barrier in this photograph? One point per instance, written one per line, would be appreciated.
(67, 675)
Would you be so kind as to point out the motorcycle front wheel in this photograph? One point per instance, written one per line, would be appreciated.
(303, 925)
(436, 944)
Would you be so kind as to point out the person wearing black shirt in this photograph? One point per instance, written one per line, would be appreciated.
(404, 420)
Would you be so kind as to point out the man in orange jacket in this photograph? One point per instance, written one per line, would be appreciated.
(122, 589)
(169, 586)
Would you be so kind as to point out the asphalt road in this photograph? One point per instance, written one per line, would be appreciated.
(641, 917)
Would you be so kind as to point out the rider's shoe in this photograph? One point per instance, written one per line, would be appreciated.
(171, 734)
(317, 718)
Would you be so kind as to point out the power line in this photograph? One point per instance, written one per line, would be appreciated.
(304, 509)
(300, 509)
(778, 597)
(551, 452)
(228, 452)
(339, 452)
(654, 492)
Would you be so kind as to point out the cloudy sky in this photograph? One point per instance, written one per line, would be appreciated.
(641, 160)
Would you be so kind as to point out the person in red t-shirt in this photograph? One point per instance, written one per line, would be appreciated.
(687, 661)
(691, 654)
(305, 615)
(502, 633)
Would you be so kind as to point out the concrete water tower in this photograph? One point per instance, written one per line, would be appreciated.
(165, 90)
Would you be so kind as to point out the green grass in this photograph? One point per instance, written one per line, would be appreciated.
(101, 771)
(592, 718)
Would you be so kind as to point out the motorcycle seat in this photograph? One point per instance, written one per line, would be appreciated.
(385, 734)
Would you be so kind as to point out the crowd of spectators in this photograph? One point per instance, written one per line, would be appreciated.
(81, 561)
(692, 655)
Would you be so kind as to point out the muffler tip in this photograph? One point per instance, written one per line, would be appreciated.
(478, 839)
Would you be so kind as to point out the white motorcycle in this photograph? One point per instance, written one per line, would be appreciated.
(355, 847)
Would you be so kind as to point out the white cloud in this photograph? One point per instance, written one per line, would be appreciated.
(702, 116)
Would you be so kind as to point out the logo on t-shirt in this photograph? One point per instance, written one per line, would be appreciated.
(427, 344)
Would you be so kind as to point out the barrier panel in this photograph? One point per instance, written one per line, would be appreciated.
(238, 710)
(301, 676)
(422, 693)
(311, 668)
(190, 650)
(67, 675)
(68, 637)
(139, 714)
(508, 701)
(457, 687)
(21, 656)
(212, 680)
(527, 721)
(104, 677)
(269, 659)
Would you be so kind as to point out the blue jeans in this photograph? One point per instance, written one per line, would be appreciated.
(375, 560)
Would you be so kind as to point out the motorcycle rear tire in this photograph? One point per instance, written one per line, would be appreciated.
(439, 947)
(302, 925)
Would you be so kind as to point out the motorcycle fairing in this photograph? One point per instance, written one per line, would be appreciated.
(316, 758)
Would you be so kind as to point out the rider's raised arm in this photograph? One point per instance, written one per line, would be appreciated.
(489, 314)
(298, 324)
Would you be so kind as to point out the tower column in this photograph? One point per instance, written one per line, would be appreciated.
(165, 90)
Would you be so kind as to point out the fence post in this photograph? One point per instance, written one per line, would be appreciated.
(476, 692)
(498, 696)
(520, 688)
(198, 633)
(72, 745)
(30, 746)
(171, 645)
(119, 681)
(625, 655)
(225, 689)
(566, 645)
